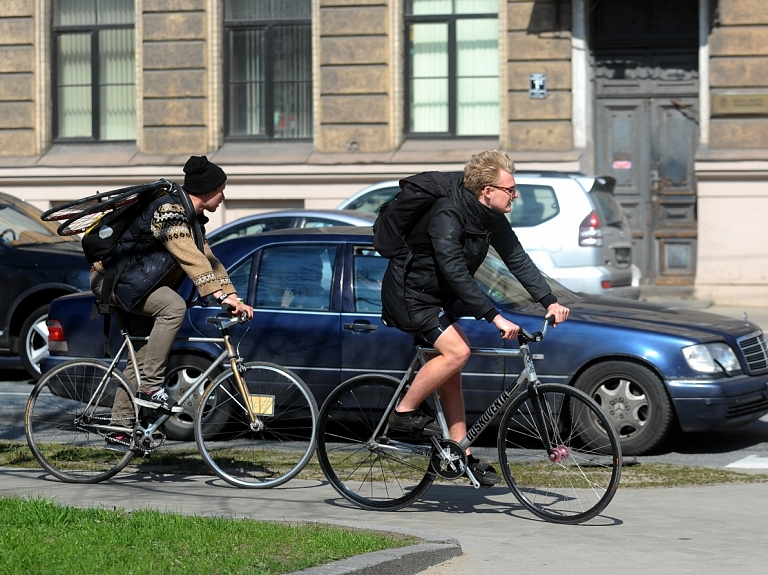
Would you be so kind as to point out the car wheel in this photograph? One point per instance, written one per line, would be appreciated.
(33, 341)
(635, 401)
(181, 371)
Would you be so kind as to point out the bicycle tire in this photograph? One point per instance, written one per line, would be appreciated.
(62, 423)
(97, 203)
(583, 483)
(376, 480)
(257, 458)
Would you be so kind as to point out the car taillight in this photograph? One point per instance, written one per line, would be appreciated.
(590, 231)
(606, 284)
(57, 342)
(55, 331)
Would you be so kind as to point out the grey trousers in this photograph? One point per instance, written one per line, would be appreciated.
(159, 316)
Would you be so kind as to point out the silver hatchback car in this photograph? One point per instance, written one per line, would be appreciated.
(570, 224)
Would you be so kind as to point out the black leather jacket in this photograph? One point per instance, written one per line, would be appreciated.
(447, 248)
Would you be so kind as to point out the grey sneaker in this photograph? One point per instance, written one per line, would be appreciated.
(414, 423)
(158, 400)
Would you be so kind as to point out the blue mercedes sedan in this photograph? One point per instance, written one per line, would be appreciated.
(317, 299)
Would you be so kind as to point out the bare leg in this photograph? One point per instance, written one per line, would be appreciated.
(443, 372)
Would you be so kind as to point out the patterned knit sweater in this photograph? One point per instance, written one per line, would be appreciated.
(170, 227)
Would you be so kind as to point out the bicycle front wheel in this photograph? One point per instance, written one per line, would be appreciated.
(68, 416)
(372, 472)
(581, 477)
(266, 453)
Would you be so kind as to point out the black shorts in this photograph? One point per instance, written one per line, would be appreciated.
(429, 336)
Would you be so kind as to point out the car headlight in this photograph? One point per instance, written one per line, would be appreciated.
(711, 358)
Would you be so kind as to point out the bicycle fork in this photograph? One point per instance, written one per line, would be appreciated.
(555, 453)
(237, 370)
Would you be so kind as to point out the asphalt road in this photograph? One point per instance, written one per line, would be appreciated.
(711, 449)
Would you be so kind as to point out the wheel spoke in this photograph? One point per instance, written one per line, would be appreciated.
(575, 485)
(269, 453)
(388, 477)
(68, 417)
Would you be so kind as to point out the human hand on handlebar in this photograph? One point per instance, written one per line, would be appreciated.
(559, 312)
(507, 329)
(236, 307)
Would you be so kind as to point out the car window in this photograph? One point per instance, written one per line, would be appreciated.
(296, 277)
(607, 207)
(18, 228)
(369, 269)
(253, 227)
(372, 201)
(240, 274)
(534, 205)
(311, 222)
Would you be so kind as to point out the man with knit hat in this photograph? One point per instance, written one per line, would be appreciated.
(164, 244)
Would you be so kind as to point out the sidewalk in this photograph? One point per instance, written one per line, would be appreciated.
(702, 530)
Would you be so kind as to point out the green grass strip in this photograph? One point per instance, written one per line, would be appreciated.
(38, 536)
(633, 475)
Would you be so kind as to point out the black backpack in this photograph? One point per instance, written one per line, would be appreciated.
(398, 217)
(104, 218)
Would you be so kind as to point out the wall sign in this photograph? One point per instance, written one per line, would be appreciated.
(537, 86)
(740, 104)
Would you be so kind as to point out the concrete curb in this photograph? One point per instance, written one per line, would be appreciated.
(402, 561)
(410, 560)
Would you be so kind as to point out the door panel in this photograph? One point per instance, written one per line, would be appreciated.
(623, 151)
(646, 125)
(646, 139)
(674, 193)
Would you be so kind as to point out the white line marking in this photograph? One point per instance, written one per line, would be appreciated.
(750, 462)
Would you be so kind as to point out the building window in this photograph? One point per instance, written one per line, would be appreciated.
(93, 67)
(452, 67)
(268, 55)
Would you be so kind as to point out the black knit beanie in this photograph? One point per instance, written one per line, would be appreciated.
(202, 176)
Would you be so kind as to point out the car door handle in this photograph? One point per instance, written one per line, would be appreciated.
(360, 326)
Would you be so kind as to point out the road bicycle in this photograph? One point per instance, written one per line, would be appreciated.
(254, 425)
(557, 450)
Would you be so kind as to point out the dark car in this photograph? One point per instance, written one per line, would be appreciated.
(284, 219)
(36, 266)
(317, 300)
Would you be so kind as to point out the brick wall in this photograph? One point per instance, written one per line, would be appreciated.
(17, 79)
(538, 41)
(354, 87)
(174, 65)
(739, 66)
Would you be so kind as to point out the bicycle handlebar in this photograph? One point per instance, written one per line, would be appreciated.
(226, 322)
(524, 336)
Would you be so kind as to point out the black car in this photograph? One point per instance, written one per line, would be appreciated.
(317, 310)
(36, 267)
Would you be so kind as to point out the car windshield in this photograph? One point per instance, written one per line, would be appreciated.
(20, 225)
(495, 279)
(372, 201)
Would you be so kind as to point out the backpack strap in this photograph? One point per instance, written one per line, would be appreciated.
(194, 224)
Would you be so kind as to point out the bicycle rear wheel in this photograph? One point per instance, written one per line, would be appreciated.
(377, 477)
(583, 479)
(246, 455)
(67, 418)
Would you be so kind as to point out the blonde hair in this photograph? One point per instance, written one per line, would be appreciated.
(483, 169)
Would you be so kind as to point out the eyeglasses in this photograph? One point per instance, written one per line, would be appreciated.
(511, 190)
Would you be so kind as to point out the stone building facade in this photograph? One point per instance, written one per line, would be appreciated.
(670, 98)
